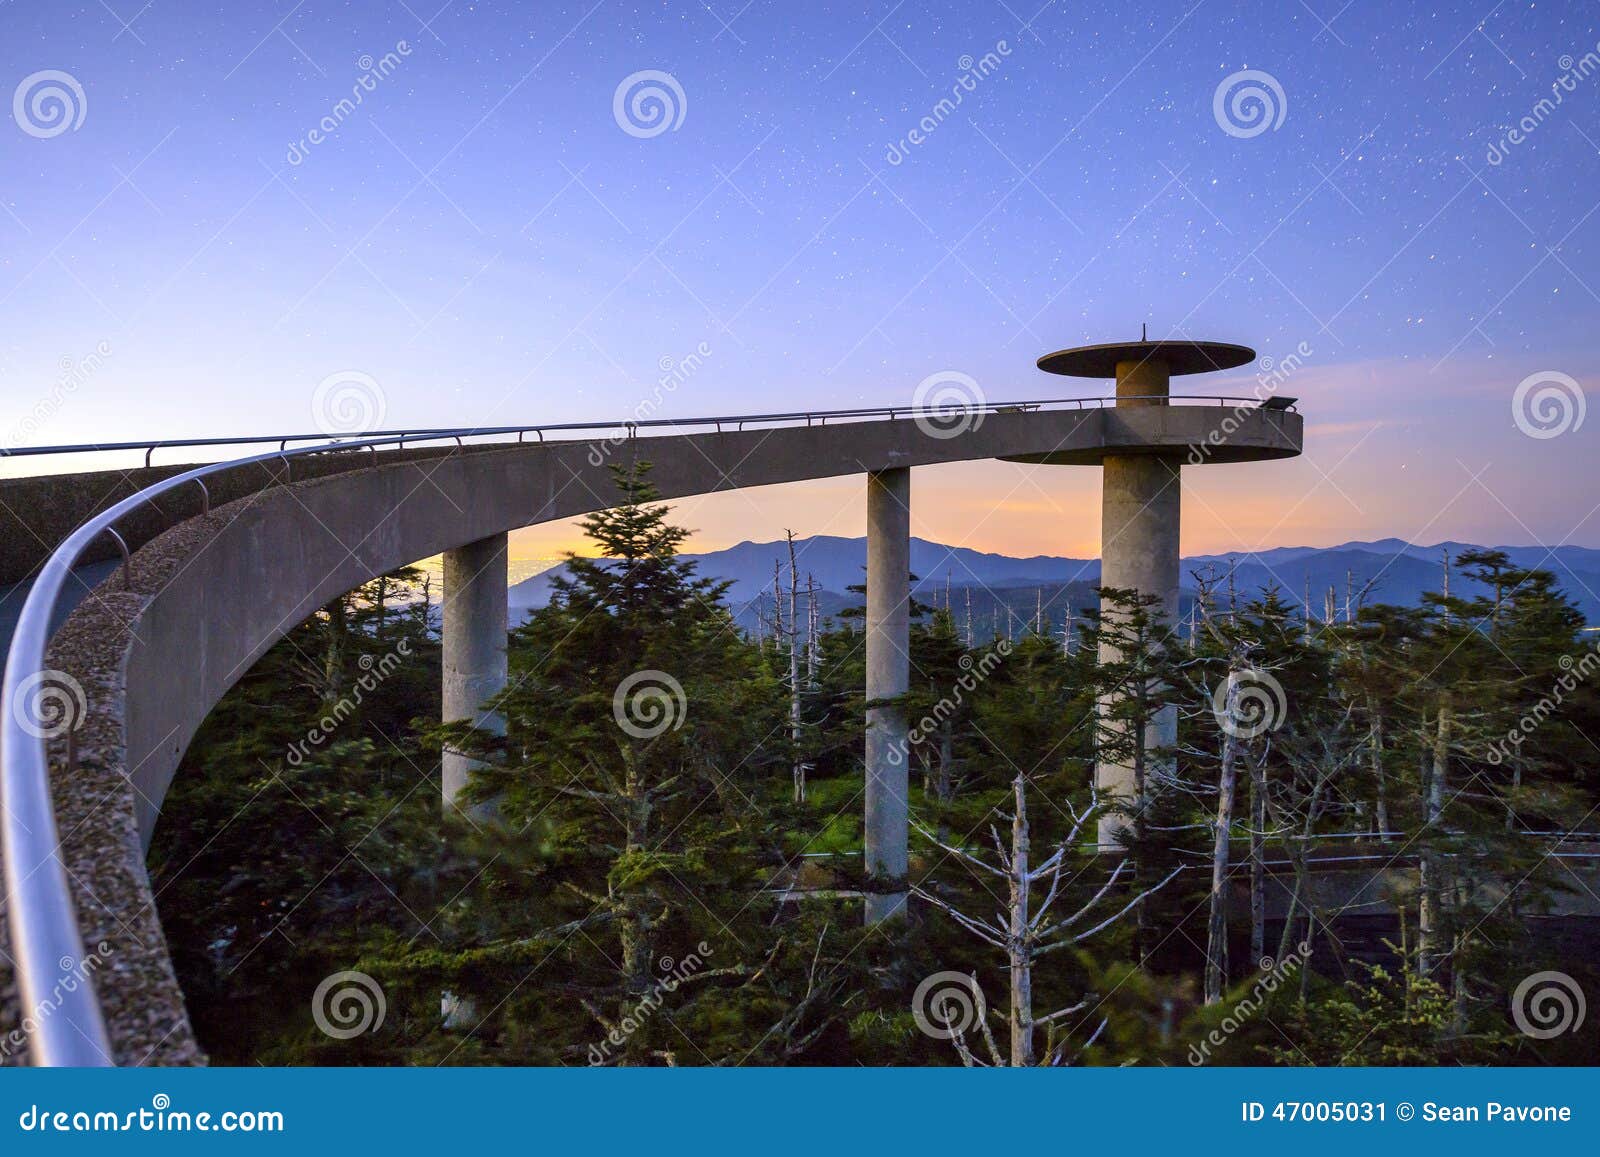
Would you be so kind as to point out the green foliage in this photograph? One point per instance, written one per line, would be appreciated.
(1383, 1018)
(654, 894)
(302, 819)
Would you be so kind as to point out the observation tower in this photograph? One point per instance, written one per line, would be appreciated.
(1142, 474)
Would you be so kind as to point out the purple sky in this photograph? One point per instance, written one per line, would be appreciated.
(491, 234)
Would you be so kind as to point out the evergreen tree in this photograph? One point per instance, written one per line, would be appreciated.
(643, 734)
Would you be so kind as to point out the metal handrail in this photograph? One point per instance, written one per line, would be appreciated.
(429, 433)
(42, 913)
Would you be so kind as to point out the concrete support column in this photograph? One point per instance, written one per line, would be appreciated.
(474, 641)
(1139, 525)
(888, 676)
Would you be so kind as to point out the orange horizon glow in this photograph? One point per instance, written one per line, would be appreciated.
(1374, 468)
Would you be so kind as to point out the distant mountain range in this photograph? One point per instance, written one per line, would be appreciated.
(1000, 589)
(1000, 586)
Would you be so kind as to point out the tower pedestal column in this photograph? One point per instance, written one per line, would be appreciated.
(1139, 523)
(1140, 515)
(1140, 518)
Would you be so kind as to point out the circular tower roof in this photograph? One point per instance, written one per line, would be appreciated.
(1181, 357)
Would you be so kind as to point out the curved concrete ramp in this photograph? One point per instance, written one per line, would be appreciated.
(209, 596)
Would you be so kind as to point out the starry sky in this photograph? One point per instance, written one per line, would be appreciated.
(461, 208)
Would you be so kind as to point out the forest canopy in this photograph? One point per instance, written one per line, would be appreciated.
(1352, 854)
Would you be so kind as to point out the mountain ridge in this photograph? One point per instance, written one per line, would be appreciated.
(1398, 571)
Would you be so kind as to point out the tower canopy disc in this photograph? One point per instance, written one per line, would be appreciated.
(1181, 357)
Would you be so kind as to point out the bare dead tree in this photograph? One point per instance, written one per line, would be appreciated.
(1205, 582)
(1436, 766)
(799, 768)
(1233, 750)
(1216, 978)
(777, 602)
(1025, 932)
(1314, 758)
(811, 631)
